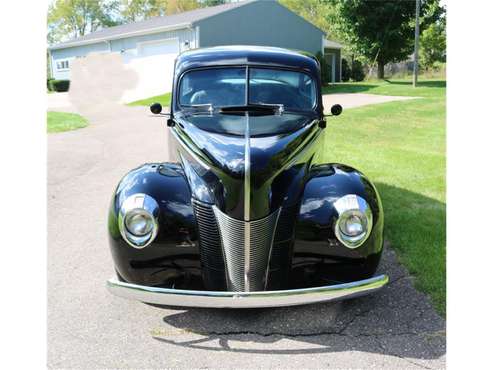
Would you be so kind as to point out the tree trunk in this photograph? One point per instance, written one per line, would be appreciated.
(381, 73)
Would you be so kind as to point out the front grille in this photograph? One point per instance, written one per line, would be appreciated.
(247, 248)
(282, 248)
(211, 255)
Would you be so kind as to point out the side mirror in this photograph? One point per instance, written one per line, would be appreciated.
(157, 108)
(336, 109)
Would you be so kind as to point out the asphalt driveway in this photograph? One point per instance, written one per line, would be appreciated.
(89, 328)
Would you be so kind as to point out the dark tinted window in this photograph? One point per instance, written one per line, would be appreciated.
(294, 90)
(224, 87)
(218, 86)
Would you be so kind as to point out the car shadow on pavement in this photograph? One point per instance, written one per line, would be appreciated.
(398, 321)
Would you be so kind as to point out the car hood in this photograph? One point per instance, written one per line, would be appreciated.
(247, 166)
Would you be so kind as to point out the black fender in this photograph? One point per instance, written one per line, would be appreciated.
(174, 253)
(316, 257)
(316, 250)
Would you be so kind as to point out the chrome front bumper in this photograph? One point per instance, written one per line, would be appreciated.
(198, 298)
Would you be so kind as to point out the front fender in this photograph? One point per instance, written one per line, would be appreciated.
(175, 248)
(316, 244)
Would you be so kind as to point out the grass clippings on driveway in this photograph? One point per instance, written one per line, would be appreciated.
(400, 146)
(61, 121)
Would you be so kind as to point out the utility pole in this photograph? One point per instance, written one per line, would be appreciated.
(416, 45)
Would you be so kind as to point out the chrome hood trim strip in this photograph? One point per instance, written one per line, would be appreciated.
(246, 206)
(216, 299)
(248, 169)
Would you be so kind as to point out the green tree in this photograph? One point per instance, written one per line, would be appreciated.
(345, 70)
(317, 12)
(357, 71)
(433, 44)
(179, 6)
(136, 10)
(381, 30)
(206, 3)
(75, 18)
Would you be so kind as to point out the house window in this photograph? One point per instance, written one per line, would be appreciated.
(62, 65)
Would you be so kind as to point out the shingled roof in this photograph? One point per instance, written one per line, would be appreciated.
(154, 24)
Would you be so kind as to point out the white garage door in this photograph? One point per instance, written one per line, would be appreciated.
(153, 63)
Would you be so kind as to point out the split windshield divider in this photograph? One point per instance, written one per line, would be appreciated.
(247, 85)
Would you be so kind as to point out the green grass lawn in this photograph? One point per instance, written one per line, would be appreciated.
(428, 88)
(61, 121)
(400, 146)
(164, 99)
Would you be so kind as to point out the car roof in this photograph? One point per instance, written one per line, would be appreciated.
(246, 55)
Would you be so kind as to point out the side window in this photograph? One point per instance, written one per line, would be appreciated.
(62, 65)
(307, 86)
(186, 87)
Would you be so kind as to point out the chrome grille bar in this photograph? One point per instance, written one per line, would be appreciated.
(247, 248)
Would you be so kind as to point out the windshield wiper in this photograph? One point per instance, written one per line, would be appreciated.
(262, 108)
(202, 107)
(278, 107)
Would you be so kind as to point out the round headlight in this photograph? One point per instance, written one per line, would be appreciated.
(138, 220)
(353, 223)
(355, 220)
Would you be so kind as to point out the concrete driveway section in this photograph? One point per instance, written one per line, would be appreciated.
(90, 328)
(60, 102)
(354, 100)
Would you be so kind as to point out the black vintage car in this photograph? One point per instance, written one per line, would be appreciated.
(247, 217)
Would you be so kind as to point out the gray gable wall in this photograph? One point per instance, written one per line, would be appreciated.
(265, 23)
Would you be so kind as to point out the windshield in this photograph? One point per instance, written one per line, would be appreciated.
(223, 87)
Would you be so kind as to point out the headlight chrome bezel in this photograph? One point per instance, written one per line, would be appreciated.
(353, 205)
(145, 205)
